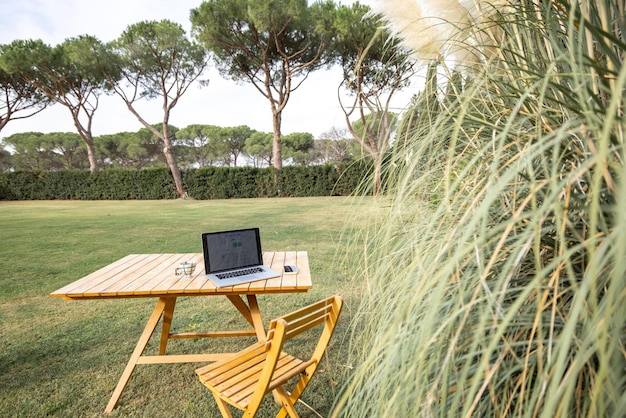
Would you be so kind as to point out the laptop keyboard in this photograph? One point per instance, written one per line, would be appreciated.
(238, 273)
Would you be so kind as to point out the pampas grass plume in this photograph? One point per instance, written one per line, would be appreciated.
(448, 30)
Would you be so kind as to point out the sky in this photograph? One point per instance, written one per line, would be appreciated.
(312, 108)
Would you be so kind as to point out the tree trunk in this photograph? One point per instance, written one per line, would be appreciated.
(168, 150)
(277, 155)
(91, 150)
(85, 134)
(91, 154)
(378, 183)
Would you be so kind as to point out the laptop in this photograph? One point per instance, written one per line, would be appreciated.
(234, 257)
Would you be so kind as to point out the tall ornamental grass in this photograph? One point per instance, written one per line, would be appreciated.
(495, 282)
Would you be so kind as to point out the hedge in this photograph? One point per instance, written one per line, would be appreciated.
(201, 183)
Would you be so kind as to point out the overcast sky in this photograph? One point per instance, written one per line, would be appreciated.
(312, 108)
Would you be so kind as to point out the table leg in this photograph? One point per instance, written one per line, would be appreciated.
(241, 307)
(250, 312)
(255, 314)
(165, 307)
(139, 349)
(168, 314)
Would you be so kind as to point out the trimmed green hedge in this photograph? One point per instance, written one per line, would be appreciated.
(202, 183)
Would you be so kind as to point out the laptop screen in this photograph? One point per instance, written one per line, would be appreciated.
(227, 250)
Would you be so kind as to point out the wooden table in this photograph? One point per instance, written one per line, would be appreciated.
(152, 275)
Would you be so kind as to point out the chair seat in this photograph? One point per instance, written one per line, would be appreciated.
(235, 379)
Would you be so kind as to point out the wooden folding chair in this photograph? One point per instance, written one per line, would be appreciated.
(244, 379)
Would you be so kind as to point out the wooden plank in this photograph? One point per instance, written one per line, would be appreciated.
(208, 288)
(183, 358)
(124, 282)
(214, 334)
(101, 275)
(291, 257)
(152, 276)
(109, 278)
(182, 284)
(258, 286)
(199, 279)
(304, 272)
(229, 366)
(261, 286)
(133, 277)
(278, 263)
(240, 288)
(290, 281)
(268, 256)
(246, 382)
(165, 278)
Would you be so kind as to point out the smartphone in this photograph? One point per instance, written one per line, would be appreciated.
(290, 269)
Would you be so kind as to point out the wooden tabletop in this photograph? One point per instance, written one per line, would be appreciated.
(153, 275)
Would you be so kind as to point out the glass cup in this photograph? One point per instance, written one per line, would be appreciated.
(187, 267)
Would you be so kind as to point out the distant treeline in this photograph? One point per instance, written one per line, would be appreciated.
(201, 183)
(193, 146)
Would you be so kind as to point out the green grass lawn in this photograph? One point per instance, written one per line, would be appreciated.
(64, 358)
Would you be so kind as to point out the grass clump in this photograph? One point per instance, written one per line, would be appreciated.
(496, 281)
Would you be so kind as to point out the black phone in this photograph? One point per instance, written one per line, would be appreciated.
(290, 269)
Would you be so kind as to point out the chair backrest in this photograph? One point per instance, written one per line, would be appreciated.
(325, 312)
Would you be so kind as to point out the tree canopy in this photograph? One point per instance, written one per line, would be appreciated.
(18, 99)
(274, 45)
(156, 60)
(374, 70)
(68, 74)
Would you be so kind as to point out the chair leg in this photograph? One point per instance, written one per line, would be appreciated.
(223, 406)
(294, 396)
(286, 403)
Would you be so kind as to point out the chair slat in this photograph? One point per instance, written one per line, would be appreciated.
(242, 361)
(295, 368)
(321, 305)
(306, 319)
(226, 381)
(246, 387)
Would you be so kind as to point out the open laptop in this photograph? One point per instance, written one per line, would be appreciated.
(234, 257)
